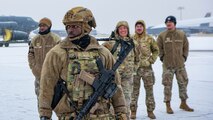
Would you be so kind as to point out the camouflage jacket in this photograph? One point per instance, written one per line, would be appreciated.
(147, 49)
(128, 66)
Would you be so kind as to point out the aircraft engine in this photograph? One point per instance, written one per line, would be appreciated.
(14, 35)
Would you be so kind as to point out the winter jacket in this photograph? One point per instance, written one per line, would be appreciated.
(56, 66)
(38, 49)
(174, 48)
(147, 48)
(127, 67)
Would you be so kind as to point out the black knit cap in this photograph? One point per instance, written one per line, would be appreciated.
(171, 18)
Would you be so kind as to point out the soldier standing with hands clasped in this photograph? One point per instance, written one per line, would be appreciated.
(147, 55)
(174, 47)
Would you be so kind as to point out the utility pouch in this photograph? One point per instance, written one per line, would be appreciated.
(86, 77)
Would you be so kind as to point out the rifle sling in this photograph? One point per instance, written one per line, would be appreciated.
(69, 97)
(115, 47)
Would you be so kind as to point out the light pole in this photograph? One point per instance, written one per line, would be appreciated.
(180, 8)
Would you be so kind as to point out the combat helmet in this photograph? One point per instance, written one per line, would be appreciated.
(80, 15)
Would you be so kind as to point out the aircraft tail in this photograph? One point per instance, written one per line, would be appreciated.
(208, 14)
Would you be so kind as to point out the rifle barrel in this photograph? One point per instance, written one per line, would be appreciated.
(103, 39)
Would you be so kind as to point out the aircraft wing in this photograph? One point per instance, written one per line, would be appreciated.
(199, 25)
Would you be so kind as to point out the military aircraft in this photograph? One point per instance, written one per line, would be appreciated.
(15, 29)
(61, 33)
(193, 26)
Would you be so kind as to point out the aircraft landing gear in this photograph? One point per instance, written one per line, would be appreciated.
(6, 44)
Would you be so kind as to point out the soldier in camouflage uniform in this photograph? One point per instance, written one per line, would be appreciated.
(39, 47)
(74, 60)
(127, 67)
(174, 48)
(148, 53)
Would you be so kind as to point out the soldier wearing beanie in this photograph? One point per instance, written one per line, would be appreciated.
(45, 25)
(38, 49)
(171, 19)
(174, 48)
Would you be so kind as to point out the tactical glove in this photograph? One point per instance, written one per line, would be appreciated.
(112, 35)
(161, 59)
(151, 60)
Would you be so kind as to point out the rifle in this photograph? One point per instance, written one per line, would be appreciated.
(103, 39)
(60, 87)
(103, 84)
(111, 37)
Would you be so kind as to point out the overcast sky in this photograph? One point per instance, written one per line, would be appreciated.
(108, 12)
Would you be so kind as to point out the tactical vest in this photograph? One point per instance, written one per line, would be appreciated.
(78, 85)
(80, 89)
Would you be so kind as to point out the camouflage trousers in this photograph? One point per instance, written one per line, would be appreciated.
(147, 75)
(37, 87)
(127, 87)
(182, 80)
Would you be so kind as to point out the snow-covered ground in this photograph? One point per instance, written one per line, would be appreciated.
(201, 43)
(18, 101)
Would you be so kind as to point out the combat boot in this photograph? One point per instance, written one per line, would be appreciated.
(151, 115)
(168, 108)
(133, 111)
(133, 115)
(185, 107)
